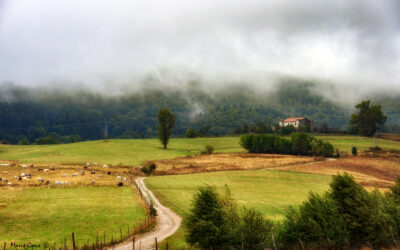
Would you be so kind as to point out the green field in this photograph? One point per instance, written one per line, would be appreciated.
(50, 214)
(125, 152)
(269, 191)
(134, 152)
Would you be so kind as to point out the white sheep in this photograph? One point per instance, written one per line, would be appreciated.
(9, 183)
(45, 170)
(5, 172)
(75, 174)
(124, 178)
(24, 166)
(16, 177)
(95, 164)
(105, 166)
(65, 174)
(100, 176)
(119, 177)
(22, 174)
(87, 164)
(59, 182)
(66, 183)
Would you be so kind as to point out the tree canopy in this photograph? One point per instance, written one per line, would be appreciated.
(368, 118)
(166, 121)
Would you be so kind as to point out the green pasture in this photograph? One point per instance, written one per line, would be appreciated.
(135, 151)
(52, 214)
(268, 191)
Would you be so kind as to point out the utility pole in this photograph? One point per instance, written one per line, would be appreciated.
(105, 130)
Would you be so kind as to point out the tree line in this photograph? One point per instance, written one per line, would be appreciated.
(31, 114)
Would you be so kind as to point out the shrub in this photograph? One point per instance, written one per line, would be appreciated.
(206, 221)
(286, 130)
(47, 140)
(153, 211)
(301, 143)
(148, 170)
(190, 133)
(208, 149)
(354, 151)
(320, 148)
(24, 141)
(4, 141)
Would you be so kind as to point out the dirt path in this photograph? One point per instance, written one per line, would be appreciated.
(167, 223)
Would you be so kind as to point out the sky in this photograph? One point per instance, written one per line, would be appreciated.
(104, 44)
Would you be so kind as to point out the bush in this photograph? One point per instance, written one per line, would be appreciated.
(153, 211)
(24, 141)
(348, 211)
(214, 222)
(286, 130)
(148, 170)
(299, 143)
(47, 140)
(190, 133)
(208, 149)
(354, 151)
(4, 141)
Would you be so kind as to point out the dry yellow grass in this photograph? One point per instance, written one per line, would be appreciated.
(370, 172)
(219, 162)
(50, 173)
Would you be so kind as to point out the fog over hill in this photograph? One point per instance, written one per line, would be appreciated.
(110, 46)
(69, 66)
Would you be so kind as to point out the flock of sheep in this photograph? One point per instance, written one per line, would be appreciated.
(27, 175)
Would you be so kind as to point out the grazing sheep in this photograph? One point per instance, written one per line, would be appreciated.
(109, 172)
(95, 164)
(66, 183)
(93, 182)
(5, 172)
(65, 174)
(24, 178)
(40, 169)
(45, 170)
(120, 184)
(47, 182)
(16, 177)
(5, 180)
(92, 172)
(87, 164)
(9, 183)
(24, 166)
(105, 166)
(85, 167)
(119, 177)
(100, 176)
(31, 165)
(59, 182)
(75, 174)
(82, 172)
(40, 179)
(124, 178)
(51, 168)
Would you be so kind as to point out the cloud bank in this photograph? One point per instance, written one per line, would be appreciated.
(109, 43)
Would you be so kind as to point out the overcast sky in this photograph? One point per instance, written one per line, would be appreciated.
(118, 41)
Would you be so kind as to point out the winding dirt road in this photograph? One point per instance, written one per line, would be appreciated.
(167, 223)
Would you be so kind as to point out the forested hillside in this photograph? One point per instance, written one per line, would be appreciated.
(33, 113)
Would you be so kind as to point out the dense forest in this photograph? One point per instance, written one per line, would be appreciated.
(72, 115)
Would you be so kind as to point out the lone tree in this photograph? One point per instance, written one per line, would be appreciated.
(166, 122)
(368, 118)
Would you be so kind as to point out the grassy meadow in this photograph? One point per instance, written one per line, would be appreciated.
(269, 191)
(135, 151)
(50, 214)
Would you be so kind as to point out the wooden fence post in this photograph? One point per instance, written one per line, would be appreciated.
(133, 243)
(391, 234)
(97, 240)
(273, 238)
(5, 244)
(73, 241)
(301, 244)
(120, 232)
(166, 246)
(156, 243)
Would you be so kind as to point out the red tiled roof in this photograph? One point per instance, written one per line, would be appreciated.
(293, 119)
